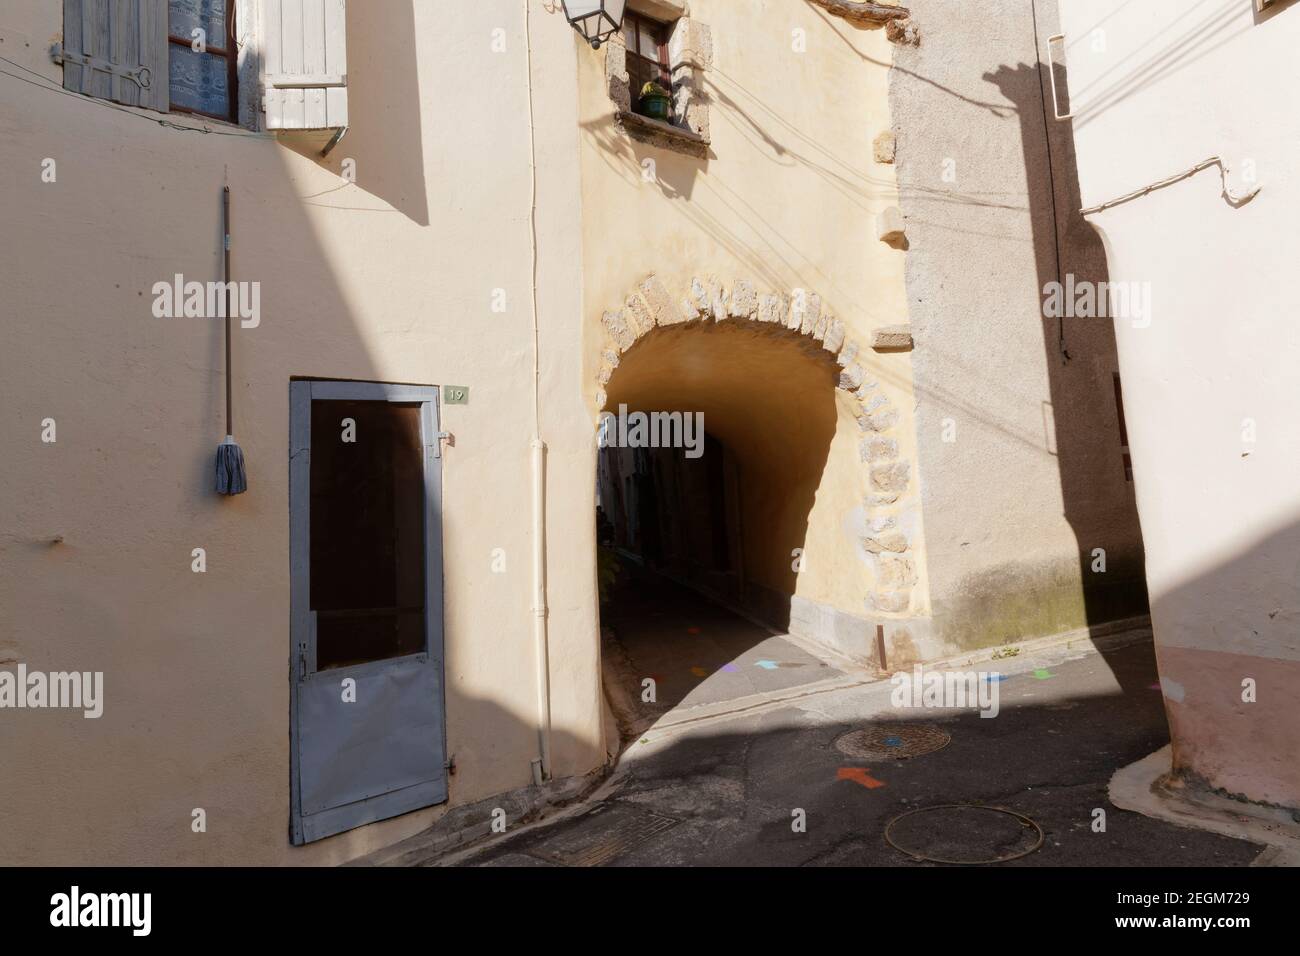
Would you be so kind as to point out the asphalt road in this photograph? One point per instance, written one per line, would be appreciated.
(735, 789)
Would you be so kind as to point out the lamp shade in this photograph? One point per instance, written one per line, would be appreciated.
(596, 20)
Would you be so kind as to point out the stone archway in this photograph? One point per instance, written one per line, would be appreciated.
(802, 317)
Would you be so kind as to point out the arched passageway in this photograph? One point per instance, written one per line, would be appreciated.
(732, 486)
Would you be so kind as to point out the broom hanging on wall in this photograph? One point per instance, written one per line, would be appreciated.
(231, 479)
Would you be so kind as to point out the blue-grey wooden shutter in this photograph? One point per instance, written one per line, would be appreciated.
(116, 50)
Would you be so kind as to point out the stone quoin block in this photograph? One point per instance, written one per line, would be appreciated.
(891, 601)
(882, 420)
(903, 31)
(892, 338)
(891, 477)
(892, 541)
(885, 147)
(891, 228)
(874, 403)
(895, 573)
(876, 448)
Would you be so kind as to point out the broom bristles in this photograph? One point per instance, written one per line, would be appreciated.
(231, 479)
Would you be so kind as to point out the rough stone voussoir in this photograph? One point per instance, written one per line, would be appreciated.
(638, 314)
(663, 309)
(812, 313)
(848, 353)
(744, 300)
(617, 326)
(851, 377)
(834, 338)
(823, 323)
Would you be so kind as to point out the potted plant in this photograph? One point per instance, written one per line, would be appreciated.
(656, 102)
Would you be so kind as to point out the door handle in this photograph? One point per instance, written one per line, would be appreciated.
(306, 647)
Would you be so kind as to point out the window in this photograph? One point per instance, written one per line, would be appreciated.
(182, 56)
(647, 54)
(165, 55)
(203, 81)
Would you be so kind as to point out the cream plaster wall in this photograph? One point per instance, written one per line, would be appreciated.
(390, 279)
(1173, 84)
(787, 198)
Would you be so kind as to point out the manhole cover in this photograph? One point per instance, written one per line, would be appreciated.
(600, 835)
(892, 741)
(963, 833)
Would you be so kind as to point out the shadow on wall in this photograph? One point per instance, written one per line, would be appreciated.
(1083, 420)
(384, 139)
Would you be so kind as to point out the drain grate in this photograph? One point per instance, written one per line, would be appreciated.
(607, 831)
(892, 741)
(964, 834)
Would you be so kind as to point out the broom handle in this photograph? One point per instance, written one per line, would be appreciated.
(225, 216)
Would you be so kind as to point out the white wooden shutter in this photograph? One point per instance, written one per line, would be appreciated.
(116, 50)
(305, 67)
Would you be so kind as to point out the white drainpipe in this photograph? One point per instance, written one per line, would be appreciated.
(541, 766)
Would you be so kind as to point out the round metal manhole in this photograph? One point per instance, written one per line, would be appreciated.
(964, 834)
(892, 741)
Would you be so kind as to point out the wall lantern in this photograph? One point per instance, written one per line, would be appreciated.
(596, 20)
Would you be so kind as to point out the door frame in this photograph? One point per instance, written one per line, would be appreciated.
(302, 632)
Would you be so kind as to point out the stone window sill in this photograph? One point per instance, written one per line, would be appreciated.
(658, 133)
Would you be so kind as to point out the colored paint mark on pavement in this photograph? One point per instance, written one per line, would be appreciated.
(767, 665)
(1043, 673)
(859, 775)
(699, 672)
(730, 668)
